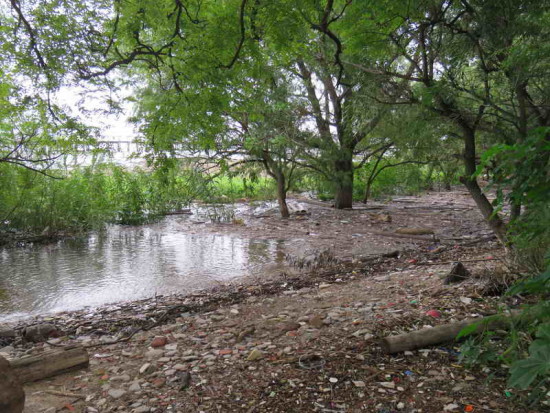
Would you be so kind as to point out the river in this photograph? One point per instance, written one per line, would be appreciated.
(126, 263)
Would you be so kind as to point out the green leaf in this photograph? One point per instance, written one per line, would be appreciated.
(469, 329)
(524, 372)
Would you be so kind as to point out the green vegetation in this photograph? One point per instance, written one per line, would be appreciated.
(321, 95)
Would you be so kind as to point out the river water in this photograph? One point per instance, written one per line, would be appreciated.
(127, 263)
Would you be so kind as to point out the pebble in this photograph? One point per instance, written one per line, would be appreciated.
(154, 354)
(316, 321)
(135, 386)
(254, 355)
(146, 368)
(116, 393)
(122, 377)
(359, 383)
(159, 341)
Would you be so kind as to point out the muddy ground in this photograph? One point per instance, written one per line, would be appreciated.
(300, 341)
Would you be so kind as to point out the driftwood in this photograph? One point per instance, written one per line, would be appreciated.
(12, 396)
(436, 335)
(49, 363)
(431, 238)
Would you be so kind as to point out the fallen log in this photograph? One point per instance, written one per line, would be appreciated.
(49, 363)
(12, 396)
(439, 334)
(431, 238)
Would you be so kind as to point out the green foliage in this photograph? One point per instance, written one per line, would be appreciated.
(227, 188)
(405, 179)
(537, 365)
(88, 197)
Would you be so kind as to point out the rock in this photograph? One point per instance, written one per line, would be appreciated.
(450, 407)
(40, 332)
(359, 383)
(322, 286)
(12, 396)
(400, 406)
(122, 377)
(116, 393)
(159, 341)
(288, 326)
(184, 379)
(414, 231)
(142, 409)
(134, 387)
(7, 349)
(245, 333)
(158, 383)
(254, 355)
(154, 354)
(457, 274)
(316, 321)
(7, 332)
(146, 369)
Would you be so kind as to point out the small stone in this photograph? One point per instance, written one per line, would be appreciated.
(184, 380)
(122, 377)
(465, 300)
(400, 406)
(254, 355)
(288, 326)
(333, 380)
(450, 407)
(359, 383)
(316, 321)
(159, 341)
(142, 409)
(159, 382)
(116, 393)
(387, 384)
(154, 354)
(134, 387)
(7, 332)
(40, 332)
(322, 286)
(146, 368)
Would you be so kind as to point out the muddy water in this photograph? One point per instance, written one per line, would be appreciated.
(126, 263)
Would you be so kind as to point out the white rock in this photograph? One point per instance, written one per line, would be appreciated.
(116, 393)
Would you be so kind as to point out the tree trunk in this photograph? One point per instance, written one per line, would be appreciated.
(367, 191)
(344, 182)
(470, 182)
(281, 195)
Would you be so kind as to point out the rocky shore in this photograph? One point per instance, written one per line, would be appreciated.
(307, 343)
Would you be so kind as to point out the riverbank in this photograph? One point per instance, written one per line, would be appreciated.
(296, 342)
(305, 344)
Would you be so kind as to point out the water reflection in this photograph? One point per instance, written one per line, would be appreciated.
(125, 263)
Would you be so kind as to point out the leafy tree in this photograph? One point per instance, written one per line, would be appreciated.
(461, 60)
